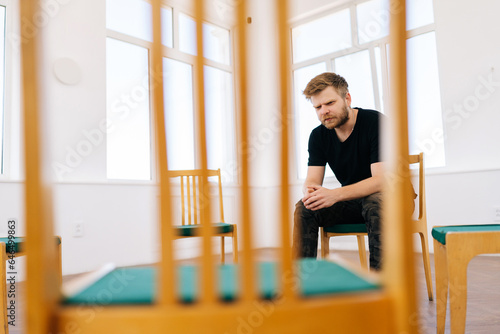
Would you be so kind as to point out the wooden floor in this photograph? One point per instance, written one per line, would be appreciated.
(483, 307)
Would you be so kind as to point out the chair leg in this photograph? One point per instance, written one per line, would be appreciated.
(222, 251)
(441, 272)
(325, 243)
(235, 245)
(59, 263)
(362, 251)
(4, 329)
(457, 270)
(427, 264)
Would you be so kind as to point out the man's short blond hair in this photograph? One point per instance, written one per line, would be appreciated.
(323, 80)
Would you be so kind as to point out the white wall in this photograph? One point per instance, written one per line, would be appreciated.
(120, 219)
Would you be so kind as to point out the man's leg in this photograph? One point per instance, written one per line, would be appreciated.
(371, 214)
(305, 232)
(307, 223)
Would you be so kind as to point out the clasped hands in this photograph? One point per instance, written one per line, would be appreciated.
(317, 197)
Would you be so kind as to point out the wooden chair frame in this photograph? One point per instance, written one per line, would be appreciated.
(389, 310)
(451, 261)
(192, 199)
(4, 291)
(419, 226)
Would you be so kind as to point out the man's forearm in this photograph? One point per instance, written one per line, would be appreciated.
(361, 189)
(307, 186)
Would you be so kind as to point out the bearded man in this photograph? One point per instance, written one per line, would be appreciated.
(348, 141)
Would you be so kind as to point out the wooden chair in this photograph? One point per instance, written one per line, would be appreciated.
(11, 248)
(454, 247)
(419, 226)
(176, 299)
(192, 199)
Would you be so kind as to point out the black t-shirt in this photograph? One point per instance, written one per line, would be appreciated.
(349, 160)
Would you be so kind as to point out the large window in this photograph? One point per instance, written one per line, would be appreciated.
(329, 44)
(3, 16)
(128, 94)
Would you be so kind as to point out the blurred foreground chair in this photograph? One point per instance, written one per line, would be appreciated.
(359, 230)
(454, 247)
(192, 200)
(269, 297)
(11, 249)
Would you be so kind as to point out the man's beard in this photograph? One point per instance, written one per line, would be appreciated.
(338, 121)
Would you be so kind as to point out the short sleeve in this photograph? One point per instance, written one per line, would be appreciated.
(316, 151)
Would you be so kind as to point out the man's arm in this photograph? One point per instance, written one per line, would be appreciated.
(314, 178)
(319, 197)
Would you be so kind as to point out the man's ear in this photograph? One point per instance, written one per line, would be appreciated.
(348, 99)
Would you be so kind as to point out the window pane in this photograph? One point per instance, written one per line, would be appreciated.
(127, 110)
(373, 20)
(131, 17)
(356, 69)
(178, 95)
(424, 100)
(187, 34)
(219, 119)
(420, 13)
(322, 36)
(2, 80)
(167, 27)
(216, 43)
(216, 40)
(305, 115)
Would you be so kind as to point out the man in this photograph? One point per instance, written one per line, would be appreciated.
(348, 140)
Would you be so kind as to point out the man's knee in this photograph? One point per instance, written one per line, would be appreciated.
(373, 199)
(371, 210)
(301, 210)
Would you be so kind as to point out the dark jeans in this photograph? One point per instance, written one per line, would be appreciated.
(364, 210)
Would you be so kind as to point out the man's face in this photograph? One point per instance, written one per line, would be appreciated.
(331, 108)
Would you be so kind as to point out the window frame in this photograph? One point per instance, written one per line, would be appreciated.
(175, 54)
(11, 131)
(329, 60)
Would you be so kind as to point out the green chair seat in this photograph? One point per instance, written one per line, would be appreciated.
(138, 285)
(346, 228)
(195, 230)
(439, 233)
(18, 243)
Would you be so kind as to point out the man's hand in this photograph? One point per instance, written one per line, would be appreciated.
(318, 197)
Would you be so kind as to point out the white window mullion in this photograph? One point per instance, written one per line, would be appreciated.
(384, 58)
(375, 78)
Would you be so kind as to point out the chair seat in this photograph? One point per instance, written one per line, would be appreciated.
(195, 230)
(439, 233)
(138, 285)
(346, 228)
(18, 243)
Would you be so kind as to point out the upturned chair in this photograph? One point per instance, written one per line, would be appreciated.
(454, 247)
(281, 297)
(419, 225)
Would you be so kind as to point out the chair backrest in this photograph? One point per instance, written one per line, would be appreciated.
(193, 197)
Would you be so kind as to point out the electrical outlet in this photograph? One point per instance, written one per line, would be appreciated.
(78, 229)
(496, 211)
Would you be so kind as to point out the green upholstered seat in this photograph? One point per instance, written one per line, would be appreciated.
(138, 285)
(18, 243)
(195, 230)
(439, 233)
(346, 228)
